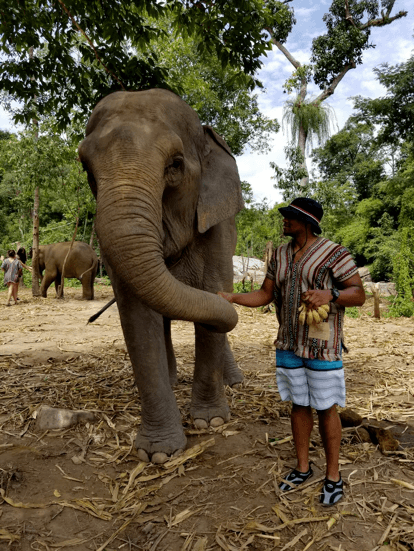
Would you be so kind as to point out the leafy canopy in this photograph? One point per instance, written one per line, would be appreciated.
(62, 57)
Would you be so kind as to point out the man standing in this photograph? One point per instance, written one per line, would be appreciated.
(309, 369)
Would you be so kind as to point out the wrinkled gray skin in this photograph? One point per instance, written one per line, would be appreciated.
(82, 263)
(167, 191)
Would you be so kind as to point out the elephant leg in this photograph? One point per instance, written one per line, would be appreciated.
(172, 363)
(161, 432)
(58, 282)
(47, 280)
(208, 400)
(87, 287)
(232, 375)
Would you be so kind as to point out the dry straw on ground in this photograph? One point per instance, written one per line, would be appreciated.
(222, 493)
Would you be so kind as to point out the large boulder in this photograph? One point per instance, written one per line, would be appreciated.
(248, 268)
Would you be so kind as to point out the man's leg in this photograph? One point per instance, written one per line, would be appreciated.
(9, 292)
(331, 432)
(302, 424)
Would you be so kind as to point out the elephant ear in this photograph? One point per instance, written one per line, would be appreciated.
(220, 193)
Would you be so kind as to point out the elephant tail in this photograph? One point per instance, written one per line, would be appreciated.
(88, 270)
(101, 311)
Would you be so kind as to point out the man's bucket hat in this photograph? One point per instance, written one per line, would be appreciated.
(306, 210)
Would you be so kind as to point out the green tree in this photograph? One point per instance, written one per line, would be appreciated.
(85, 50)
(50, 162)
(394, 112)
(334, 53)
(219, 98)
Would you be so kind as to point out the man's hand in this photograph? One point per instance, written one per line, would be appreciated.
(315, 298)
(227, 296)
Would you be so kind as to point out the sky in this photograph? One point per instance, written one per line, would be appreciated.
(394, 44)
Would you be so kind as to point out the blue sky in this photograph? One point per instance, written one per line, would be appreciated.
(394, 44)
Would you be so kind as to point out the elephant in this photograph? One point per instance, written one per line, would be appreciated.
(167, 191)
(82, 263)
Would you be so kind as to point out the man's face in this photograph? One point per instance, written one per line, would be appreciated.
(293, 227)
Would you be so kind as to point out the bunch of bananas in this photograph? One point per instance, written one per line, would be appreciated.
(309, 315)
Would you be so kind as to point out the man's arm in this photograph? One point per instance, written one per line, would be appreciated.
(351, 294)
(254, 299)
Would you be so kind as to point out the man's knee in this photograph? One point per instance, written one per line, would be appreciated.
(296, 407)
(327, 412)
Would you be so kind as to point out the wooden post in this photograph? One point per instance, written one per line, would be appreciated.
(375, 292)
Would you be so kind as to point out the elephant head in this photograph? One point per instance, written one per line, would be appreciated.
(160, 178)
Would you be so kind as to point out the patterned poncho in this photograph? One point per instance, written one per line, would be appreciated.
(11, 268)
(323, 266)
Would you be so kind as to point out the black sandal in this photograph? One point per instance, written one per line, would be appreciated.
(295, 478)
(332, 492)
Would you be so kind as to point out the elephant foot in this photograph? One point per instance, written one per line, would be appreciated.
(159, 451)
(215, 422)
(173, 379)
(158, 457)
(232, 376)
(209, 417)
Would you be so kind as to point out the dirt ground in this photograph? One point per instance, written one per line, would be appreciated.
(84, 488)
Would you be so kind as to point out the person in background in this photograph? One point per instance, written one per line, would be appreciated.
(309, 368)
(22, 256)
(12, 271)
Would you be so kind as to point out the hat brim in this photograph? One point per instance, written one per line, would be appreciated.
(289, 212)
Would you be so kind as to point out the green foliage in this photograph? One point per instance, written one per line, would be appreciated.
(347, 36)
(288, 180)
(256, 225)
(62, 60)
(245, 287)
(220, 100)
(314, 117)
(47, 161)
(301, 75)
(394, 112)
(403, 275)
(352, 312)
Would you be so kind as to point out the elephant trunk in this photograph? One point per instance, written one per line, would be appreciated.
(131, 235)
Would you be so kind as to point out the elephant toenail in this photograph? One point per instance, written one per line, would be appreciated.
(159, 457)
(177, 452)
(200, 424)
(216, 422)
(143, 456)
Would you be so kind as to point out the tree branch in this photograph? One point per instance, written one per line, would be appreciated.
(331, 88)
(64, 8)
(384, 20)
(284, 50)
(348, 15)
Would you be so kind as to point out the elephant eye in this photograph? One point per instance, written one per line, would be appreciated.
(173, 168)
(177, 163)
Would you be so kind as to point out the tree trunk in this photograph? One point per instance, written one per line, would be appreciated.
(35, 248)
(92, 235)
(302, 146)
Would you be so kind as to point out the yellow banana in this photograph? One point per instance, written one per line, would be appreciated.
(316, 316)
(302, 317)
(309, 317)
(326, 307)
(322, 313)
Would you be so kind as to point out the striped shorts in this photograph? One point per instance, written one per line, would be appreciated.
(316, 383)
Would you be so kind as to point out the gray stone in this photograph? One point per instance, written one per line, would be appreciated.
(48, 418)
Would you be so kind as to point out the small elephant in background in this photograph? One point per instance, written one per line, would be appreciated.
(167, 191)
(81, 263)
